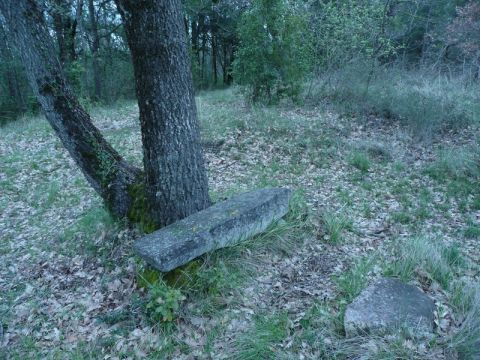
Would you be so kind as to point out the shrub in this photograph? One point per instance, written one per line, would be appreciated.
(274, 52)
(163, 302)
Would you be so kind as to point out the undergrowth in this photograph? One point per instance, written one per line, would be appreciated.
(426, 103)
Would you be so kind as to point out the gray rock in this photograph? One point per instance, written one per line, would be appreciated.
(223, 224)
(388, 304)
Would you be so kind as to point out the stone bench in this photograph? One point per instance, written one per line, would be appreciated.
(223, 224)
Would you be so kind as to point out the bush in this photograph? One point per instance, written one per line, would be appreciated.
(274, 53)
(164, 302)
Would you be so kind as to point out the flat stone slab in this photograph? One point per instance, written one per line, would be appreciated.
(223, 224)
(389, 304)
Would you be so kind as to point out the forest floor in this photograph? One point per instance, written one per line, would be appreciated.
(370, 200)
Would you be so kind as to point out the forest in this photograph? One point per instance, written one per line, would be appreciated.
(240, 179)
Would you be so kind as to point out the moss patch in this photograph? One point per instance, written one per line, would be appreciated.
(139, 211)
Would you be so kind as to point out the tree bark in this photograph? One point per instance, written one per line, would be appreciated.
(176, 180)
(102, 166)
(97, 80)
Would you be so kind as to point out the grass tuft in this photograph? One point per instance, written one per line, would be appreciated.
(333, 225)
(360, 160)
(466, 341)
(427, 258)
(262, 340)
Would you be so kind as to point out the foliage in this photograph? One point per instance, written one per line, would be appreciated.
(163, 302)
(274, 52)
(350, 30)
(463, 33)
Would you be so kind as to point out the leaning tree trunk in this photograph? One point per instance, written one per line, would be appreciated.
(103, 167)
(176, 178)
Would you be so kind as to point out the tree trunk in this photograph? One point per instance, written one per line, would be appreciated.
(10, 74)
(97, 80)
(57, 17)
(65, 30)
(196, 51)
(176, 178)
(102, 166)
(224, 63)
(214, 58)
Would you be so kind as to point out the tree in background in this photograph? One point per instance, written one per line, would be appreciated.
(274, 53)
(14, 92)
(349, 32)
(212, 26)
(174, 183)
(464, 34)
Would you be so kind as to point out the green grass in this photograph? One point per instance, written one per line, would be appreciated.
(333, 225)
(92, 233)
(360, 160)
(424, 103)
(402, 217)
(376, 150)
(438, 261)
(466, 341)
(472, 231)
(456, 163)
(294, 144)
(352, 282)
(262, 340)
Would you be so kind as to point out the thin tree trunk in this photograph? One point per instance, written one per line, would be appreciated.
(75, 28)
(102, 166)
(196, 51)
(224, 63)
(97, 79)
(10, 74)
(214, 58)
(65, 29)
(202, 65)
(57, 16)
(176, 178)
(230, 62)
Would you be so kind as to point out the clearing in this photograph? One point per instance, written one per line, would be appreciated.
(370, 200)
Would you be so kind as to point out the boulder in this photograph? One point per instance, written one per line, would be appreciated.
(223, 224)
(389, 304)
